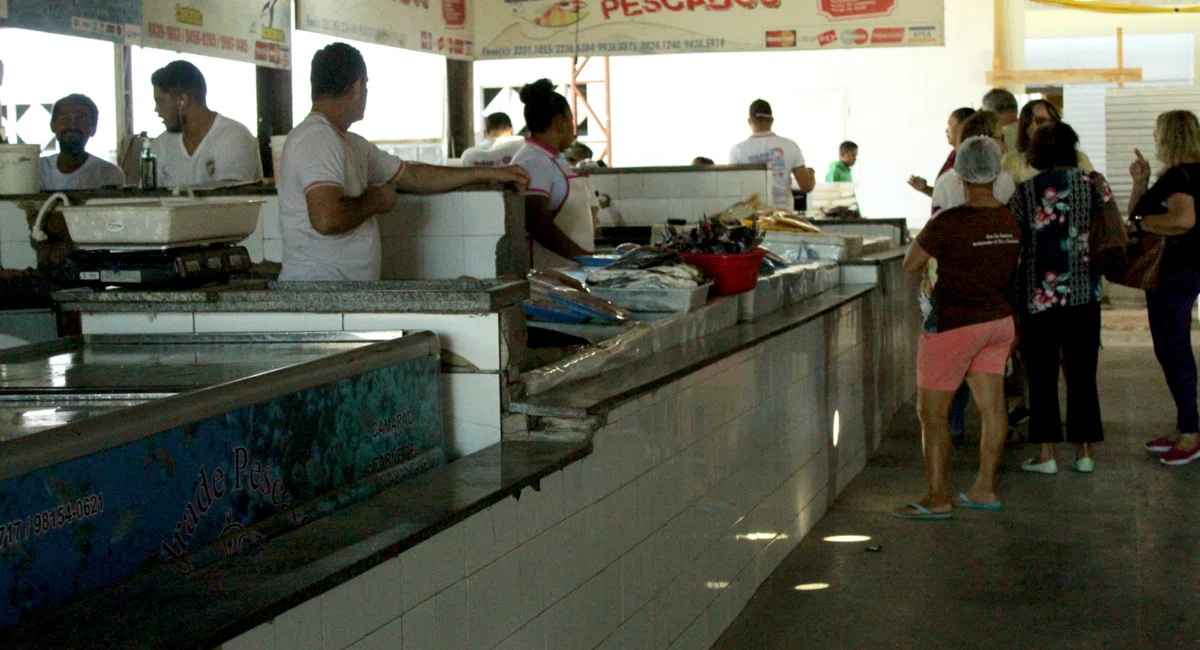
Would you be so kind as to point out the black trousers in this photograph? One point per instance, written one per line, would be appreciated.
(1066, 338)
(1170, 310)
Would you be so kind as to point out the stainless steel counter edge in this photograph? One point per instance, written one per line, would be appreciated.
(117, 428)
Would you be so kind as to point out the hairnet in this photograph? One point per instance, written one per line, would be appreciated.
(978, 160)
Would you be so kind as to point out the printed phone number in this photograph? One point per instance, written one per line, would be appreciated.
(690, 45)
(40, 523)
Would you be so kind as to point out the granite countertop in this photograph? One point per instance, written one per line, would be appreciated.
(600, 171)
(594, 397)
(876, 259)
(213, 605)
(388, 296)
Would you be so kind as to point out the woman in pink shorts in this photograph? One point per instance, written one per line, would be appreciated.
(969, 331)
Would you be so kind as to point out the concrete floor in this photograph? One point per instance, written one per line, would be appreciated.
(1108, 560)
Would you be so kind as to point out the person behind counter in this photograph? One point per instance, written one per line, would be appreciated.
(558, 211)
(334, 182)
(839, 171)
(73, 121)
(1004, 104)
(701, 161)
(200, 146)
(499, 144)
(782, 155)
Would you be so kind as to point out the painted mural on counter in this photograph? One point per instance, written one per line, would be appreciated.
(173, 502)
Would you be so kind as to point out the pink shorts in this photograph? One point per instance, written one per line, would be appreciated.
(945, 358)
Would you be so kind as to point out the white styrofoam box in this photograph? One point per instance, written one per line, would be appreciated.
(473, 337)
(433, 565)
(540, 510)
(343, 621)
(17, 255)
(130, 323)
(587, 615)
(300, 626)
(260, 638)
(441, 258)
(267, 322)
(483, 213)
(649, 567)
(492, 614)
(860, 275)
(530, 637)
(543, 567)
(473, 397)
(479, 256)
(438, 622)
(382, 594)
(272, 249)
(388, 637)
(490, 534)
(461, 438)
(631, 186)
(270, 218)
(14, 226)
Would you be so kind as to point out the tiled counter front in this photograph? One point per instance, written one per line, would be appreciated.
(646, 196)
(693, 495)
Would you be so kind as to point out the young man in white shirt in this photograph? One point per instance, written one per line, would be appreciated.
(200, 146)
(334, 182)
(499, 144)
(73, 121)
(781, 154)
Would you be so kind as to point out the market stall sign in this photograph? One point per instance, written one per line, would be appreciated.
(116, 21)
(434, 26)
(538, 28)
(258, 32)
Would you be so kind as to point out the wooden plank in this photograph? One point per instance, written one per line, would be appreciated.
(1057, 77)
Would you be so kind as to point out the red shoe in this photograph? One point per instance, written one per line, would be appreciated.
(1160, 445)
(1179, 456)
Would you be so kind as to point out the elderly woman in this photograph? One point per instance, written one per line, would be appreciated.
(1036, 115)
(1169, 208)
(976, 246)
(1058, 295)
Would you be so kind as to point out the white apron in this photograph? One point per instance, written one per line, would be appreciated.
(574, 218)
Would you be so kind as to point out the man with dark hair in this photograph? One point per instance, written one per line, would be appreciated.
(782, 155)
(499, 144)
(73, 121)
(701, 161)
(1004, 104)
(839, 171)
(200, 146)
(334, 182)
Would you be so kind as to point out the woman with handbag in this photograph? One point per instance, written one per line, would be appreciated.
(1058, 295)
(1169, 208)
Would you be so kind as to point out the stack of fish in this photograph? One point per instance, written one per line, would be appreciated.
(713, 235)
(558, 298)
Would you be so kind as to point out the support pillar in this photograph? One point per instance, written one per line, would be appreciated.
(1009, 46)
(274, 111)
(460, 107)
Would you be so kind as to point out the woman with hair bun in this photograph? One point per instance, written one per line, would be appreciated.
(558, 212)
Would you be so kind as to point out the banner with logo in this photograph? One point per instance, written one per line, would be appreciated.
(253, 31)
(117, 21)
(537, 28)
(435, 26)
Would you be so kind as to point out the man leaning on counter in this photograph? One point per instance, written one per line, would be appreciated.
(334, 182)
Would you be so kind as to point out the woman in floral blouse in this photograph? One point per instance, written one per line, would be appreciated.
(1058, 295)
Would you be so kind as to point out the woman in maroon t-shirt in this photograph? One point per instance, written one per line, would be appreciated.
(959, 116)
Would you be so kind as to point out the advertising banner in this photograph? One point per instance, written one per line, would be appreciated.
(253, 31)
(537, 28)
(117, 21)
(176, 501)
(434, 26)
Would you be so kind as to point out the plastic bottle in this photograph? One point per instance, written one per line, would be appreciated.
(149, 166)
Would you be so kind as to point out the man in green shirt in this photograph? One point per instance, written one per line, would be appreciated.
(839, 172)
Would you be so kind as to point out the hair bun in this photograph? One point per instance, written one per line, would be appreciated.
(535, 90)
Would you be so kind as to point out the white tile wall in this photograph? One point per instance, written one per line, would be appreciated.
(117, 323)
(473, 338)
(647, 198)
(605, 556)
(267, 322)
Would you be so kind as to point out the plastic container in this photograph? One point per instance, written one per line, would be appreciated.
(730, 273)
(676, 301)
(19, 169)
(162, 222)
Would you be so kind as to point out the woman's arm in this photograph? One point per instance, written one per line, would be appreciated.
(916, 260)
(1178, 220)
(1139, 171)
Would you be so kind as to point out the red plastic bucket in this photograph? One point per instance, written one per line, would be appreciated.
(730, 273)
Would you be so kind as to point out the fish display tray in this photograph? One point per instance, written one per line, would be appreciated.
(655, 300)
(163, 222)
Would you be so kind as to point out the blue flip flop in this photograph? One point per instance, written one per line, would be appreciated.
(922, 513)
(971, 505)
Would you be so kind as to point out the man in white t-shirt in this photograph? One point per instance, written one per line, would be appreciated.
(334, 182)
(781, 154)
(200, 146)
(73, 121)
(499, 144)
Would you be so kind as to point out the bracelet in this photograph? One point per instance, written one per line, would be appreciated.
(1136, 220)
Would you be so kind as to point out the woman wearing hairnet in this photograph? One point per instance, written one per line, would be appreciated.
(968, 330)
(1058, 295)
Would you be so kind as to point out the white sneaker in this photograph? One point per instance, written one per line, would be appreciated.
(1085, 465)
(1048, 467)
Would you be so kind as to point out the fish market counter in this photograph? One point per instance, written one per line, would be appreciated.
(656, 488)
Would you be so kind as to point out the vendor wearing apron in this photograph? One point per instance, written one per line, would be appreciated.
(558, 213)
